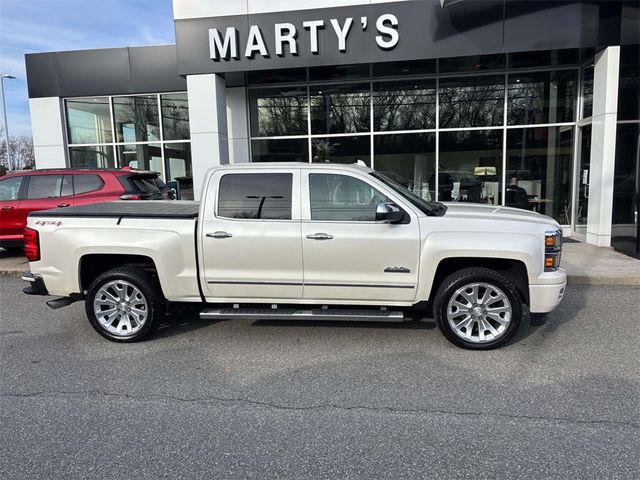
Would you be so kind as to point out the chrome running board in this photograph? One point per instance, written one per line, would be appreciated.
(323, 314)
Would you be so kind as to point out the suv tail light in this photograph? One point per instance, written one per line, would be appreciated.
(130, 196)
(31, 244)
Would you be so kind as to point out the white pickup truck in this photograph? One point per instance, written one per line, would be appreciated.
(300, 241)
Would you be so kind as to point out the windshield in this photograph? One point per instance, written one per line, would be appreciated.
(435, 209)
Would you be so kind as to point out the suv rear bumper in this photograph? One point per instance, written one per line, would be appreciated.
(544, 298)
(36, 284)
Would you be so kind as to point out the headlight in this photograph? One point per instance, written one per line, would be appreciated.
(552, 250)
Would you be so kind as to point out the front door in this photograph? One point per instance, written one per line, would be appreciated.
(250, 248)
(582, 192)
(347, 254)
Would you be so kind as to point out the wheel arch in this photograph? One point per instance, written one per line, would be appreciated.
(92, 265)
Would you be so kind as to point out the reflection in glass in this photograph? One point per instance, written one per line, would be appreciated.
(342, 149)
(177, 157)
(404, 105)
(471, 102)
(340, 108)
(141, 156)
(629, 83)
(280, 150)
(100, 156)
(278, 111)
(255, 196)
(136, 118)
(584, 173)
(543, 97)
(89, 120)
(587, 91)
(470, 167)
(409, 159)
(539, 165)
(175, 116)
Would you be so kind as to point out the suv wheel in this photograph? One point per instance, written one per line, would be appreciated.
(125, 304)
(478, 308)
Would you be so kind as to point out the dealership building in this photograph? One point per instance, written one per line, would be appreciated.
(458, 100)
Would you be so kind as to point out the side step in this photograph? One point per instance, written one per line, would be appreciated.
(323, 314)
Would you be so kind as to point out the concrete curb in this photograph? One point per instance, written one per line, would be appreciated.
(573, 279)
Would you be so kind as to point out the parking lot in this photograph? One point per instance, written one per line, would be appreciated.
(240, 399)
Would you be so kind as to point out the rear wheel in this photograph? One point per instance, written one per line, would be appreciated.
(125, 304)
(478, 308)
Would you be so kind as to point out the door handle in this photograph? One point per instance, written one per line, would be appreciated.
(8, 207)
(320, 236)
(219, 235)
(62, 205)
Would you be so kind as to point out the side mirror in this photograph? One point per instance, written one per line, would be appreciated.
(389, 212)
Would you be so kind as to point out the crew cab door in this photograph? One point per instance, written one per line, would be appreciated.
(250, 236)
(347, 254)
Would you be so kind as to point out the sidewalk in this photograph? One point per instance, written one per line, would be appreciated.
(586, 264)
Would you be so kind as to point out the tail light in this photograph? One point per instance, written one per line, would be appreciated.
(130, 196)
(31, 244)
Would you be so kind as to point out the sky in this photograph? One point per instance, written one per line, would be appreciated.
(30, 26)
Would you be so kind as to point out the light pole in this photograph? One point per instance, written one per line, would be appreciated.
(4, 110)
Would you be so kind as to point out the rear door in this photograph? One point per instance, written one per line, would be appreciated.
(88, 188)
(44, 192)
(10, 227)
(251, 235)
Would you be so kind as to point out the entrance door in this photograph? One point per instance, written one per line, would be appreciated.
(347, 254)
(251, 244)
(582, 192)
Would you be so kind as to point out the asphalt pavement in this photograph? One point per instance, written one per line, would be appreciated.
(242, 399)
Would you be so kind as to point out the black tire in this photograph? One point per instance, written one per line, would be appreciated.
(469, 276)
(150, 289)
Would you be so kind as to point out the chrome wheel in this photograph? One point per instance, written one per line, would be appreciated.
(120, 308)
(479, 312)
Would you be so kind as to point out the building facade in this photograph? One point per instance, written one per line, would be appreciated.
(529, 104)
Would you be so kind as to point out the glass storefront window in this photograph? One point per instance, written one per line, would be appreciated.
(175, 116)
(278, 111)
(99, 156)
(342, 149)
(548, 58)
(470, 167)
(471, 101)
(136, 118)
(340, 108)
(177, 158)
(539, 170)
(409, 159)
(339, 72)
(541, 97)
(409, 67)
(147, 156)
(280, 150)
(587, 91)
(89, 120)
(404, 105)
(629, 83)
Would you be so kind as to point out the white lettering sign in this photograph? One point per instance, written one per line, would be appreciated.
(226, 46)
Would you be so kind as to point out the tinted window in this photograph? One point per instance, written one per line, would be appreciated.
(175, 116)
(343, 198)
(9, 188)
(86, 183)
(255, 196)
(89, 120)
(145, 185)
(44, 186)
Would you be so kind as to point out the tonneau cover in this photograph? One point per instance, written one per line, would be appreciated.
(127, 209)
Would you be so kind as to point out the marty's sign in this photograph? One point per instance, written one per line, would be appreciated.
(225, 44)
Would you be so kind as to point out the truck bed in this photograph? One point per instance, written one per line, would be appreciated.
(127, 209)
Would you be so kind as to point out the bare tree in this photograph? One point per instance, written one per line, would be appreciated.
(22, 155)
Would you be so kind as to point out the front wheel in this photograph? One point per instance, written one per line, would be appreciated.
(478, 308)
(125, 304)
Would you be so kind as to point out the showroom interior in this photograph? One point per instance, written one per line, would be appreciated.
(550, 125)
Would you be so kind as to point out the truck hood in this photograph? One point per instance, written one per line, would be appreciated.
(476, 211)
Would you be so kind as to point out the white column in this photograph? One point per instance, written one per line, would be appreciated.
(47, 128)
(208, 125)
(237, 125)
(603, 146)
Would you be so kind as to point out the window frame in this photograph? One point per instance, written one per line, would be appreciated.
(214, 191)
(305, 196)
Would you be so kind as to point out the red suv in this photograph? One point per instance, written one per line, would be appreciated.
(30, 190)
